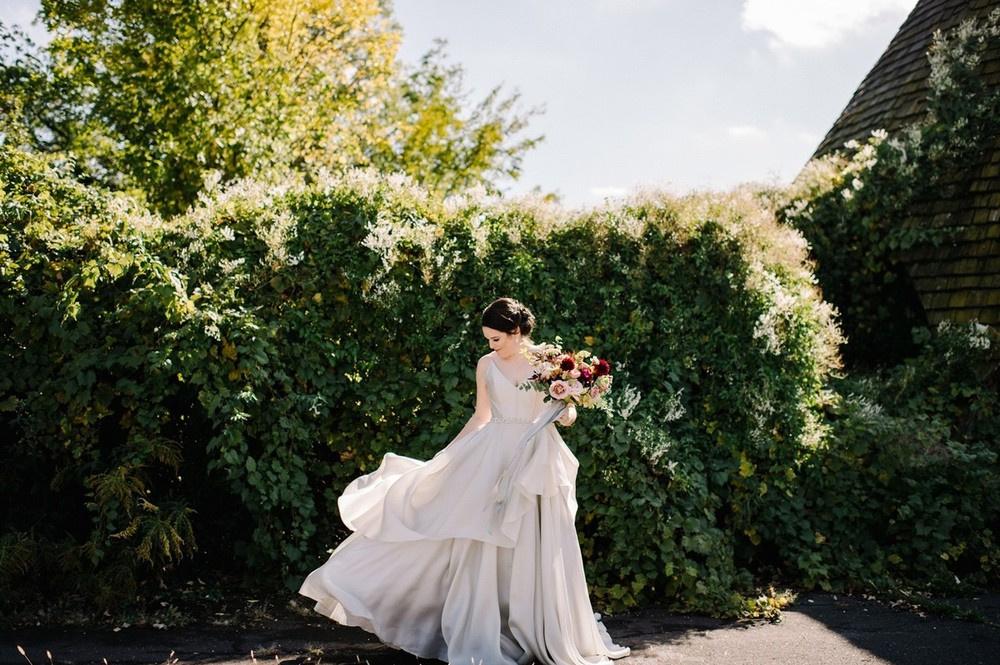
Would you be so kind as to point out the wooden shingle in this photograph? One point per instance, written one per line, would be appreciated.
(960, 279)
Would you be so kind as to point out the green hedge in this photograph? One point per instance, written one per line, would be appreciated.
(182, 392)
(904, 489)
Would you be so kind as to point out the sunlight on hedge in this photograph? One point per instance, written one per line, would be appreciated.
(205, 386)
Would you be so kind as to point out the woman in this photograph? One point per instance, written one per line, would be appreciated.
(427, 571)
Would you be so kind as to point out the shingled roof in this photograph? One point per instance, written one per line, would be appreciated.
(959, 280)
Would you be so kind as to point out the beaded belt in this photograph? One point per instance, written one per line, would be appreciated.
(505, 419)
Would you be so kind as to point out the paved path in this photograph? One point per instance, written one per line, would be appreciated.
(818, 629)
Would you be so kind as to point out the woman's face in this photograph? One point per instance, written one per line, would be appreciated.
(505, 344)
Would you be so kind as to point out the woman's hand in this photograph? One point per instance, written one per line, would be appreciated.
(568, 417)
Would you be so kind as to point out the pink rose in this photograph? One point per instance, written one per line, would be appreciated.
(559, 389)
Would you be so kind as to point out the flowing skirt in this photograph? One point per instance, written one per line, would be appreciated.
(426, 571)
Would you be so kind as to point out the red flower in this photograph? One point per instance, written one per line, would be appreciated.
(585, 374)
(603, 367)
(567, 363)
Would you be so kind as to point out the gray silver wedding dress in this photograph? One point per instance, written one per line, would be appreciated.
(426, 570)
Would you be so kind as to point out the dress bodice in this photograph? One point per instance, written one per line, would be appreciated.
(507, 401)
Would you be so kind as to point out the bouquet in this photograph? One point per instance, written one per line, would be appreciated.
(573, 377)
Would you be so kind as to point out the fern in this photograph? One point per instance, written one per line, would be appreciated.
(166, 538)
(17, 554)
(120, 484)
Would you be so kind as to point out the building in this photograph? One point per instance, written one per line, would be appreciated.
(960, 279)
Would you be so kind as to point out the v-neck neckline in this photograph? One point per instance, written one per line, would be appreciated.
(500, 371)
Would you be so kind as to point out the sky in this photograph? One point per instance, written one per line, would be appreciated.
(672, 94)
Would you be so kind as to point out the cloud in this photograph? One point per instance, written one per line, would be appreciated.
(746, 133)
(815, 24)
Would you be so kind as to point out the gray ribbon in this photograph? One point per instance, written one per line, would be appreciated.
(504, 486)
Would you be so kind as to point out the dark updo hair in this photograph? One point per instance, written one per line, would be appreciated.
(508, 315)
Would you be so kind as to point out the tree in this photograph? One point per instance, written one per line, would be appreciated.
(423, 133)
(155, 97)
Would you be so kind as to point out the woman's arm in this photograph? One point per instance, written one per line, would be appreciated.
(482, 414)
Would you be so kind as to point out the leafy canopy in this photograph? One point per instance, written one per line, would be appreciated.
(157, 97)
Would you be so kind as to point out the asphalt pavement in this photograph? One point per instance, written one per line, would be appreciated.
(818, 628)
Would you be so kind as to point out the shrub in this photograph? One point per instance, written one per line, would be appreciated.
(247, 359)
(902, 492)
(95, 417)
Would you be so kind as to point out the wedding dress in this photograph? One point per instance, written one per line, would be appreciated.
(427, 571)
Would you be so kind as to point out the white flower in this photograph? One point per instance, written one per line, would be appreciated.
(979, 336)
(627, 400)
(781, 307)
(674, 407)
(229, 265)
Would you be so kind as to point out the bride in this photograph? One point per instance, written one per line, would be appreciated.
(427, 571)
